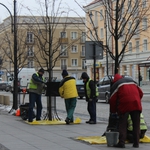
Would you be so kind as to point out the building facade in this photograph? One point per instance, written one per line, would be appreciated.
(61, 41)
(138, 48)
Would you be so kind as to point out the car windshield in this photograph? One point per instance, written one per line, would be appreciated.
(79, 82)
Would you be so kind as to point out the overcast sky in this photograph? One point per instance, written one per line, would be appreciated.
(22, 6)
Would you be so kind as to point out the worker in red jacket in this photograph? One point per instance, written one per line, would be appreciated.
(125, 99)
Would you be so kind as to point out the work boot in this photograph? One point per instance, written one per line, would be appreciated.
(119, 145)
(67, 120)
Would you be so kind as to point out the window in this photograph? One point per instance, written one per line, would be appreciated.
(101, 15)
(130, 47)
(122, 10)
(91, 36)
(101, 33)
(145, 45)
(63, 50)
(95, 20)
(129, 6)
(63, 61)
(74, 35)
(137, 46)
(63, 34)
(144, 23)
(137, 27)
(74, 62)
(63, 64)
(122, 46)
(30, 51)
(129, 26)
(83, 51)
(30, 64)
(83, 37)
(144, 3)
(74, 49)
(136, 8)
(29, 37)
(90, 17)
(84, 64)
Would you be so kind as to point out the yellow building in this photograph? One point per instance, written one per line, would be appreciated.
(138, 48)
(65, 37)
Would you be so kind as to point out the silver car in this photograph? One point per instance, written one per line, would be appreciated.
(104, 88)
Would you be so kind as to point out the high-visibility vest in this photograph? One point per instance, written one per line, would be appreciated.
(32, 85)
(88, 90)
(142, 123)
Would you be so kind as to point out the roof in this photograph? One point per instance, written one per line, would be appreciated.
(144, 63)
(93, 2)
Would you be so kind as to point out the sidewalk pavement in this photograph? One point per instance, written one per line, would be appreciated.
(15, 134)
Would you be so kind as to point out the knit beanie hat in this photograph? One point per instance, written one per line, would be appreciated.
(41, 70)
(84, 76)
(64, 73)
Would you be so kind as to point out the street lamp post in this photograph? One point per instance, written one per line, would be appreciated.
(10, 16)
(14, 30)
(15, 94)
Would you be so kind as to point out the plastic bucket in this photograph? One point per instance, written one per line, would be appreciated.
(112, 138)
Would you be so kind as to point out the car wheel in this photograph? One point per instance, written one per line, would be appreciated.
(107, 98)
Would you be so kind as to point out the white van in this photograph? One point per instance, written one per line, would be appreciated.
(24, 77)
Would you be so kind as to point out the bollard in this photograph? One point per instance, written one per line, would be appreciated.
(6, 100)
(2, 99)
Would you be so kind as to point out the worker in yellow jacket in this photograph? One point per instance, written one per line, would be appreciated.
(143, 128)
(68, 91)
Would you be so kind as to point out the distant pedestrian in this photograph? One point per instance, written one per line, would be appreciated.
(91, 94)
(68, 91)
(36, 87)
(125, 99)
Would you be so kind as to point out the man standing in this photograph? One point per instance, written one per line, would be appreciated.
(125, 99)
(36, 86)
(91, 94)
(68, 91)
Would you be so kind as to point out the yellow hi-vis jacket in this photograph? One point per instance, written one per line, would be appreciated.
(143, 125)
(88, 90)
(33, 85)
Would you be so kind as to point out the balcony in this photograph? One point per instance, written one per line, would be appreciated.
(63, 40)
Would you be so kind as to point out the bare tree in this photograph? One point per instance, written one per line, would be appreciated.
(7, 48)
(46, 28)
(123, 20)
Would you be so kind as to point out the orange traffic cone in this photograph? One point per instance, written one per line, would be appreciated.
(18, 112)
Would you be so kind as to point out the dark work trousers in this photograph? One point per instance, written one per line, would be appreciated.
(70, 107)
(35, 98)
(135, 117)
(91, 107)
